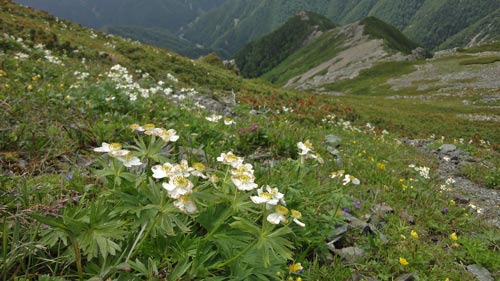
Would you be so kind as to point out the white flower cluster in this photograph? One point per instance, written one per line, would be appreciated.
(52, 59)
(125, 81)
(346, 177)
(123, 155)
(179, 186)
(306, 151)
(422, 171)
(169, 135)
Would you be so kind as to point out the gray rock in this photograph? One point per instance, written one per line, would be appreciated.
(407, 217)
(382, 208)
(481, 273)
(332, 139)
(353, 221)
(407, 277)
(350, 254)
(338, 233)
(447, 148)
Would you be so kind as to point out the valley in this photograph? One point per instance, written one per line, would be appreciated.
(349, 157)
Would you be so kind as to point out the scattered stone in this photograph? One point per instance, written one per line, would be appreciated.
(354, 222)
(356, 276)
(407, 277)
(481, 273)
(461, 199)
(332, 139)
(407, 217)
(447, 148)
(350, 254)
(338, 233)
(382, 208)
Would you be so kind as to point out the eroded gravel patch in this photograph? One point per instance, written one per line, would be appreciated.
(485, 200)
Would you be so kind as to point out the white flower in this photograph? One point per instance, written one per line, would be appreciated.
(178, 186)
(296, 215)
(348, 178)
(153, 132)
(214, 118)
(182, 169)
(129, 161)
(278, 216)
(118, 153)
(230, 159)
(305, 147)
(113, 149)
(228, 121)
(270, 197)
(242, 168)
(450, 181)
(106, 147)
(244, 181)
(339, 174)
(162, 171)
(169, 135)
(185, 204)
(198, 169)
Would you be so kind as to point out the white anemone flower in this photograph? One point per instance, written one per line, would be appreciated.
(108, 147)
(130, 161)
(305, 147)
(338, 173)
(296, 215)
(228, 121)
(244, 181)
(213, 118)
(162, 171)
(178, 186)
(350, 179)
(185, 204)
(242, 168)
(169, 135)
(198, 169)
(182, 169)
(279, 215)
(230, 159)
(264, 197)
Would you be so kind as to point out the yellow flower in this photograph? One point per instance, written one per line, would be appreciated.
(454, 236)
(380, 166)
(296, 268)
(452, 202)
(414, 234)
(298, 279)
(403, 261)
(30, 87)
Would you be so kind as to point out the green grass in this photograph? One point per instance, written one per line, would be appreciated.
(485, 47)
(326, 47)
(394, 38)
(480, 60)
(69, 212)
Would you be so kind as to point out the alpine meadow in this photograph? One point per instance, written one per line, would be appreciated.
(300, 140)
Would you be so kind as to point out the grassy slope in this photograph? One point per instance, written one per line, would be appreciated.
(264, 54)
(328, 45)
(394, 39)
(157, 37)
(320, 50)
(49, 128)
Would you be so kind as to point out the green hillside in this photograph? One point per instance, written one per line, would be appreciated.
(427, 22)
(264, 54)
(157, 37)
(124, 161)
(394, 39)
(319, 50)
(323, 48)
